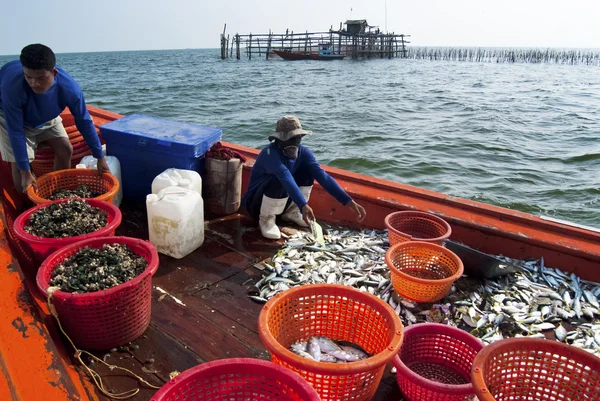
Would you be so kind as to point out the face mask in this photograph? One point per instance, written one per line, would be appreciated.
(290, 147)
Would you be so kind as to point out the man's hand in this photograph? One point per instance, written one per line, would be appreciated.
(308, 214)
(360, 211)
(27, 180)
(102, 166)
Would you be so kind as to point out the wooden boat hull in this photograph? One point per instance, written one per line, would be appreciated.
(33, 359)
(307, 56)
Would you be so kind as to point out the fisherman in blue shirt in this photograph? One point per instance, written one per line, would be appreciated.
(33, 93)
(283, 170)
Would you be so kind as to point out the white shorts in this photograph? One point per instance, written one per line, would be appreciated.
(33, 137)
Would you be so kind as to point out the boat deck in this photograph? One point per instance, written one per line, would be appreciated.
(212, 318)
(200, 308)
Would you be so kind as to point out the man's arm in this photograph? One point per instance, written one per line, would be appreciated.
(326, 181)
(333, 188)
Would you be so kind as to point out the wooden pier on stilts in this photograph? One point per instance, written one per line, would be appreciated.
(356, 40)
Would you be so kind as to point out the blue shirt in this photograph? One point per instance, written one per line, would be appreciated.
(23, 106)
(272, 163)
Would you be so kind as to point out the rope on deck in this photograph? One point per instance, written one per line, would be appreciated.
(95, 376)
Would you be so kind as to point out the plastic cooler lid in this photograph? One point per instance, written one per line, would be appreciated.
(141, 132)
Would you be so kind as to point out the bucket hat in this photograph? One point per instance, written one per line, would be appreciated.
(287, 128)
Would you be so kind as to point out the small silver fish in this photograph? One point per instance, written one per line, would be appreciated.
(591, 298)
(313, 349)
(258, 299)
(561, 333)
(344, 355)
(327, 358)
(304, 354)
(326, 344)
(299, 346)
(542, 327)
(355, 351)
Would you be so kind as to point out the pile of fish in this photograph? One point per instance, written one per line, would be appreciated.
(535, 301)
(350, 258)
(322, 349)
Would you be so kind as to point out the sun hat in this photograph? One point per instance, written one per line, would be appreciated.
(287, 128)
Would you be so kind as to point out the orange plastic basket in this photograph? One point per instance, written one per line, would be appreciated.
(106, 184)
(535, 369)
(416, 226)
(422, 271)
(340, 313)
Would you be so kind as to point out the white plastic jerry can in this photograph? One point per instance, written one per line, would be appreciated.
(115, 169)
(173, 177)
(175, 221)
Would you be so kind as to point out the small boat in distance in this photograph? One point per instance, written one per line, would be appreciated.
(325, 53)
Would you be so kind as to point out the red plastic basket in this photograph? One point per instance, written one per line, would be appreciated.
(422, 271)
(45, 246)
(237, 379)
(416, 226)
(435, 361)
(535, 369)
(339, 313)
(109, 318)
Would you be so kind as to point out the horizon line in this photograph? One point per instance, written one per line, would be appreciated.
(218, 48)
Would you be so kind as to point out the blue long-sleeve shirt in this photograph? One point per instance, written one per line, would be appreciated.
(271, 162)
(23, 106)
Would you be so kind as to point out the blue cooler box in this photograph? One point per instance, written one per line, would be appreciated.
(147, 146)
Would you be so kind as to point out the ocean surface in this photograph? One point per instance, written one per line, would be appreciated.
(521, 136)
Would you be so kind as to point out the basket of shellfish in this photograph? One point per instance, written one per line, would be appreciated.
(50, 226)
(101, 289)
(74, 183)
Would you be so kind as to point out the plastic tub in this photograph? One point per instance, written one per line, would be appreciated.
(45, 246)
(109, 318)
(339, 313)
(237, 379)
(435, 361)
(416, 226)
(106, 184)
(535, 369)
(422, 271)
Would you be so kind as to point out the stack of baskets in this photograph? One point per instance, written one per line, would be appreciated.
(102, 319)
(44, 156)
(439, 362)
(421, 269)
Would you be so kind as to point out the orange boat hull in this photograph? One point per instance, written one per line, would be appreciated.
(46, 374)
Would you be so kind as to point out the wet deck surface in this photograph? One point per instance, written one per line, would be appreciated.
(217, 319)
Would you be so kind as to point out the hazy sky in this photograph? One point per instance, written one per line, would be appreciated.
(92, 25)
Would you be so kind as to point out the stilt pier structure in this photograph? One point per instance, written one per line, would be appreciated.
(354, 39)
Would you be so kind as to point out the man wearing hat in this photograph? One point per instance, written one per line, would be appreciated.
(283, 170)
